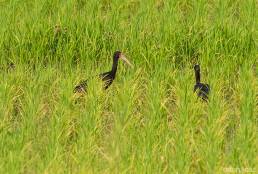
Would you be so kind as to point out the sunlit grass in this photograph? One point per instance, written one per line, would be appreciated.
(149, 120)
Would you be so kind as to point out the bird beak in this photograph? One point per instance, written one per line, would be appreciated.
(126, 60)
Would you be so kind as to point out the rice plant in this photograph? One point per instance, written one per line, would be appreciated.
(149, 120)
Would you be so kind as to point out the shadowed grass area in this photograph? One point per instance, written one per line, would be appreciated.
(149, 120)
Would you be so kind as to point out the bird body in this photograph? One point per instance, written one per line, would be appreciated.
(202, 89)
(107, 77)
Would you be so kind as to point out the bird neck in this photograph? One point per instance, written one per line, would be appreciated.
(114, 67)
(197, 76)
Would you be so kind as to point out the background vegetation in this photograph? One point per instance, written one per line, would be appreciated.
(149, 120)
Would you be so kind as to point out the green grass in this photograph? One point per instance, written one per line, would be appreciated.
(149, 120)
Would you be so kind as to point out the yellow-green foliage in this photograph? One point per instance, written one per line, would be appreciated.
(149, 120)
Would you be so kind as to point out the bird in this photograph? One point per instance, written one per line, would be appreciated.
(202, 89)
(107, 77)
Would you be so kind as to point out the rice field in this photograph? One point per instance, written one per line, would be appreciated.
(149, 120)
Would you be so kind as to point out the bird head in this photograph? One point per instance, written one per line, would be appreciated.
(197, 67)
(119, 55)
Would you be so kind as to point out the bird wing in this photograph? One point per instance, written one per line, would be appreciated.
(206, 88)
(81, 87)
(104, 75)
(196, 86)
(107, 78)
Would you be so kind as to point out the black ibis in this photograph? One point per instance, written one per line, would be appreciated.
(106, 77)
(201, 88)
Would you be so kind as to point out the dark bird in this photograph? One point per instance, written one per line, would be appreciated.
(202, 89)
(106, 77)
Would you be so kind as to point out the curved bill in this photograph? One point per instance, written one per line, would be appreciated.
(125, 60)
